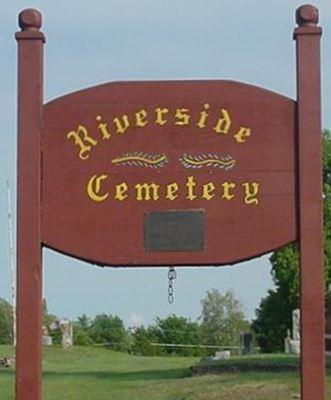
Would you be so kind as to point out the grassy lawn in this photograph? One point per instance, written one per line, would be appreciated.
(99, 374)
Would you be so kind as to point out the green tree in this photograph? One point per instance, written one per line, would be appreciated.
(109, 329)
(142, 339)
(273, 318)
(6, 322)
(177, 330)
(82, 331)
(222, 319)
(84, 322)
(274, 315)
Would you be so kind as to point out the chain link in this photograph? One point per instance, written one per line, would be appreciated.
(172, 275)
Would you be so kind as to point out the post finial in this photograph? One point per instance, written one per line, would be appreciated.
(30, 20)
(307, 15)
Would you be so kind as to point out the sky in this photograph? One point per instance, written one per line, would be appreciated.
(92, 42)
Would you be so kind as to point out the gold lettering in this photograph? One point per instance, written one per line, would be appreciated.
(120, 191)
(123, 125)
(242, 135)
(103, 128)
(224, 122)
(182, 116)
(94, 186)
(251, 191)
(159, 115)
(203, 116)
(141, 118)
(151, 191)
(227, 187)
(172, 190)
(83, 141)
(190, 184)
(144, 191)
(207, 191)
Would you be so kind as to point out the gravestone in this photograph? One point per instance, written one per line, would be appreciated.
(296, 324)
(287, 342)
(292, 344)
(247, 343)
(66, 328)
(223, 355)
(295, 342)
(47, 339)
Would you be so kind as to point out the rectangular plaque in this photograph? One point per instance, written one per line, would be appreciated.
(174, 230)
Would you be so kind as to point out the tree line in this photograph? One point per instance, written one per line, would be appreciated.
(220, 324)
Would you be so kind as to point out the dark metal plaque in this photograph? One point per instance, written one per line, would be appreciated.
(174, 230)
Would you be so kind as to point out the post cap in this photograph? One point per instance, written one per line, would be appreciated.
(30, 20)
(307, 15)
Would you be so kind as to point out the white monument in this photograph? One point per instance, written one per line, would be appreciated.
(67, 333)
(296, 324)
(287, 342)
(292, 345)
(66, 328)
(47, 340)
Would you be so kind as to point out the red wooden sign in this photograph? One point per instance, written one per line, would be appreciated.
(128, 149)
(169, 173)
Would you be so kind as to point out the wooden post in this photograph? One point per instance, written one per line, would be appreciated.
(29, 268)
(307, 37)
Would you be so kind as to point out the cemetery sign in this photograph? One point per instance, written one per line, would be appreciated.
(170, 173)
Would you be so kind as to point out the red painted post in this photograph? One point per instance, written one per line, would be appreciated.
(307, 37)
(29, 265)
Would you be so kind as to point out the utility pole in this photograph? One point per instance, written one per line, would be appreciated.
(12, 263)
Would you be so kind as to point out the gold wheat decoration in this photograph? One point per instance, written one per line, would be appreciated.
(142, 159)
(207, 160)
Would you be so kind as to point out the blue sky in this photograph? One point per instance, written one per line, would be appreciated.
(106, 40)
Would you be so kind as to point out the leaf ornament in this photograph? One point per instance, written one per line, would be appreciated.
(207, 160)
(141, 159)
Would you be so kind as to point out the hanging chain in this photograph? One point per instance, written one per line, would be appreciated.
(172, 275)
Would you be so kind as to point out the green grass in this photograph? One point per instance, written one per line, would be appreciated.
(99, 374)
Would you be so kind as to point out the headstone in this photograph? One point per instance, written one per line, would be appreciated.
(295, 342)
(67, 333)
(287, 342)
(292, 345)
(47, 340)
(247, 343)
(296, 324)
(295, 346)
(223, 355)
(66, 328)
